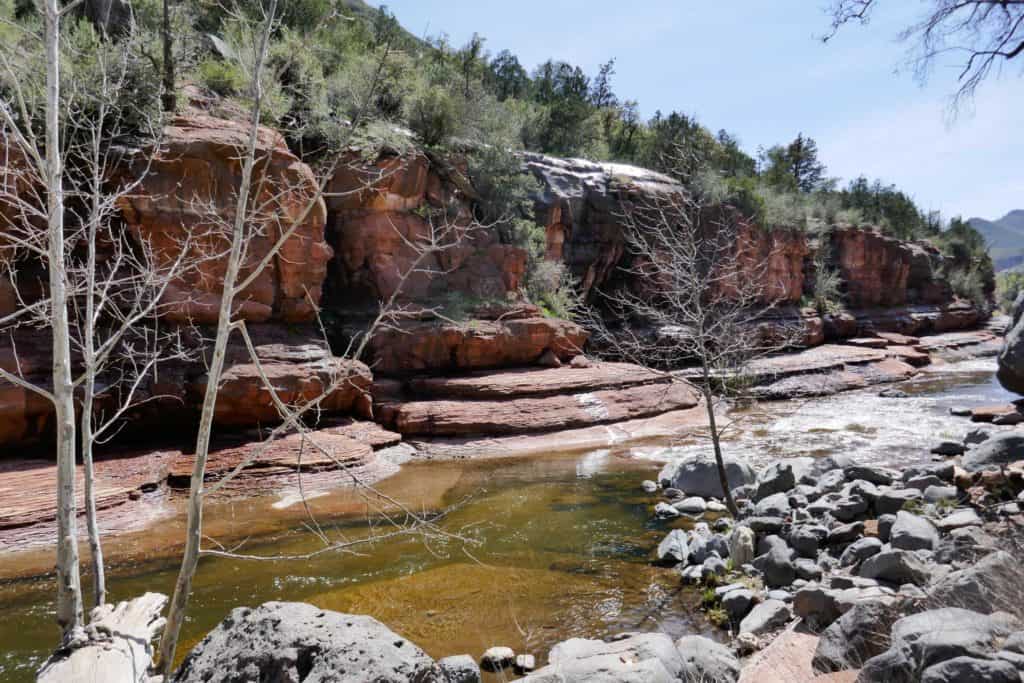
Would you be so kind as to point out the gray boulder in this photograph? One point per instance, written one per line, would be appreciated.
(776, 567)
(693, 505)
(458, 669)
(807, 539)
(666, 511)
(997, 451)
(807, 569)
(876, 475)
(768, 616)
(959, 518)
(890, 501)
(1011, 356)
(960, 669)
(629, 658)
(913, 532)
(860, 550)
(737, 603)
(846, 533)
(741, 545)
(775, 479)
(849, 508)
(987, 586)
(674, 548)
(775, 505)
(976, 436)
(857, 636)
(923, 640)
(934, 494)
(896, 566)
(948, 448)
(295, 641)
(885, 523)
(705, 660)
(697, 475)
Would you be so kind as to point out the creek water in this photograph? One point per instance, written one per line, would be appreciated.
(548, 547)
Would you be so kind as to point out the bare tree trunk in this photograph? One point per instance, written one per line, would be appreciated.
(723, 475)
(69, 589)
(193, 534)
(168, 98)
(99, 588)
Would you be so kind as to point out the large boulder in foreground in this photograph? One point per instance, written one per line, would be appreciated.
(1011, 357)
(697, 475)
(294, 641)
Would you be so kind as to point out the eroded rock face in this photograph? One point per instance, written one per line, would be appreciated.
(478, 344)
(581, 206)
(378, 211)
(874, 267)
(190, 190)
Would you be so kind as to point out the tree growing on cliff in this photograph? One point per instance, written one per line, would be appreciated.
(983, 36)
(696, 291)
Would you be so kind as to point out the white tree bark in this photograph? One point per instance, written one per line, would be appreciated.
(69, 590)
(119, 648)
(193, 534)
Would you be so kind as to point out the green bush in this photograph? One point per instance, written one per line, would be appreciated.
(967, 283)
(550, 285)
(1008, 285)
(432, 115)
(222, 77)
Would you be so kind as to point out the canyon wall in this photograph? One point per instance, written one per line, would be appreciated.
(351, 249)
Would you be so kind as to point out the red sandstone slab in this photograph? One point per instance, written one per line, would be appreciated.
(522, 415)
(28, 487)
(990, 413)
(347, 445)
(899, 339)
(537, 381)
(955, 340)
(909, 354)
(818, 359)
(665, 425)
(867, 342)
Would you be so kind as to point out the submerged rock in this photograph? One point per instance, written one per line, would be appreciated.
(296, 641)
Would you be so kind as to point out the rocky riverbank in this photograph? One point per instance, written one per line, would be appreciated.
(836, 572)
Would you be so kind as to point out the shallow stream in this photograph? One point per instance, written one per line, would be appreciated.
(551, 547)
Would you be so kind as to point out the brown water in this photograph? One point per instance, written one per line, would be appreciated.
(552, 547)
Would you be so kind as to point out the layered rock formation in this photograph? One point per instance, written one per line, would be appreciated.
(356, 249)
(189, 191)
(379, 213)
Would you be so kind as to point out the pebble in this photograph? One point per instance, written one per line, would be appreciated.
(497, 658)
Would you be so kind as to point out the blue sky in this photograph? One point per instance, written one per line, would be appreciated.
(757, 69)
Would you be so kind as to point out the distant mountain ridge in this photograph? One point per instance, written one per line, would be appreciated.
(1005, 238)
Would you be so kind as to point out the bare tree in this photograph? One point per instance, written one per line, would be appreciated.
(982, 35)
(44, 159)
(106, 287)
(696, 292)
